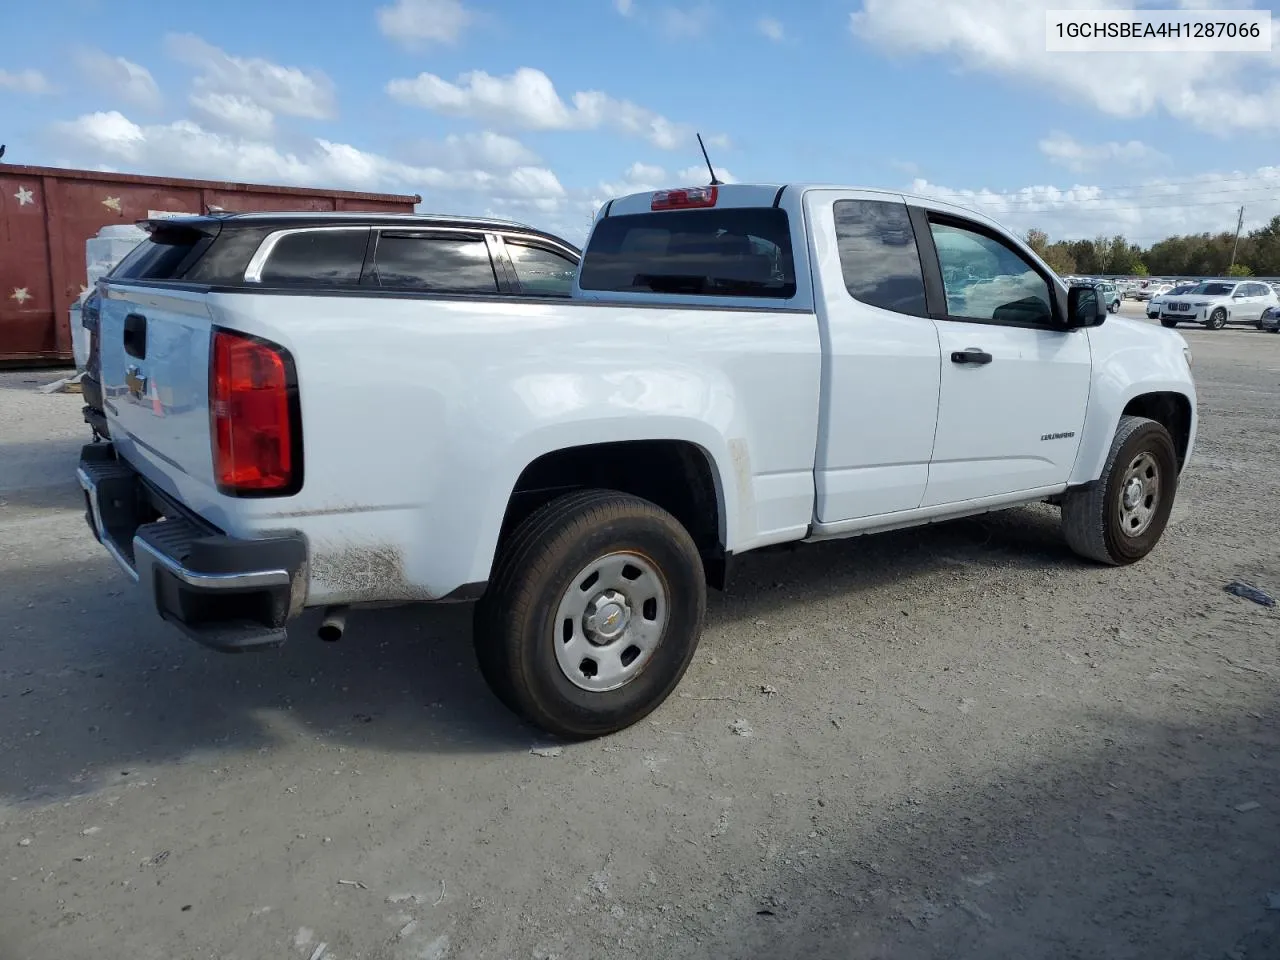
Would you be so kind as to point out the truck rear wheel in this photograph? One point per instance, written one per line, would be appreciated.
(1120, 518)
(593, 614)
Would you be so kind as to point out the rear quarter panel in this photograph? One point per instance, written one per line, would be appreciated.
(420, 414)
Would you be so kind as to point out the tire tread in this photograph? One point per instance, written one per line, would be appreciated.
(525, 563)
(1084, 510)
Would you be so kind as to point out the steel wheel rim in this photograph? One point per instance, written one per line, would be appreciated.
(1139, 497)
(610, 621)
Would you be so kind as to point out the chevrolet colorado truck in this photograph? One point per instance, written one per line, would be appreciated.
(736, 367)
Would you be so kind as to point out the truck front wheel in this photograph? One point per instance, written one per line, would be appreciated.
(1119, 518)
(593, 613)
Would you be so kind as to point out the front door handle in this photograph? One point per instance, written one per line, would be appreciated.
(972, 355)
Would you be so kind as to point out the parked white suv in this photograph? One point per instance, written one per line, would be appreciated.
(1155, 303)
(736, 367)
(1215, 303)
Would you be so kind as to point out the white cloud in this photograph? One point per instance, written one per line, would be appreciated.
(528, 99)
(235, 113)
(1066, 151)
(418, 23)
(642, 177)
(25, 81)
(185, 148)
(697, 175)
(487, 150)
(771, 28)
(624, 7)
(1146, 212)
(292, 91)
(1007, 37)
(118, 77)
(681, 23)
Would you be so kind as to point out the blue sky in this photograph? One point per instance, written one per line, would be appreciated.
(542, 110)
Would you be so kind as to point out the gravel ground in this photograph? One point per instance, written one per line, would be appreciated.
(952, 742)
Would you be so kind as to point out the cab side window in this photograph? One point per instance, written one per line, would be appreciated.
(878, 255)
(985, 279)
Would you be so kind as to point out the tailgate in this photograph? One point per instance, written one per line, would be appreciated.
(154, 355)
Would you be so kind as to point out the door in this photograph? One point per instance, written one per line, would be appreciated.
(880, 357)
(1014, 384)
(1249, 302)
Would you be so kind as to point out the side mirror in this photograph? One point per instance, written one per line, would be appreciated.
(1085, 307)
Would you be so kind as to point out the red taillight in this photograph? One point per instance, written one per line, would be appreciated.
(684, 199)
(252, 403)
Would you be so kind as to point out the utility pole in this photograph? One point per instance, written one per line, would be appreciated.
(1236, 246)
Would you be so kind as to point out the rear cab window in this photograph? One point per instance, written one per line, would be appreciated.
(714, 252)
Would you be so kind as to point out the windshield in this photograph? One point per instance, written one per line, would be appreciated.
(743, 252)
(1216, 289)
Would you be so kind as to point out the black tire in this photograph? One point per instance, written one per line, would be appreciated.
(1217, 320)
(1166, 322)
(1113, 306)
(1092, 515)
(515, 622)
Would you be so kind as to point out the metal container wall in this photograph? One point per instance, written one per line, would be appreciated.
(47, 214)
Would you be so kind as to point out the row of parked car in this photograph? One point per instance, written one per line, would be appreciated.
(1216, 303)
(1213, 303)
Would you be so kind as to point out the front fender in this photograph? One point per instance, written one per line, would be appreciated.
(1130, 359)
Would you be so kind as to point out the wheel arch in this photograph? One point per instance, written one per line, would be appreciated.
(680, 475)
(1171, 410)
(1171, 404)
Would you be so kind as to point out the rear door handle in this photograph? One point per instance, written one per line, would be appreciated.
(135, 336)
(972, 355)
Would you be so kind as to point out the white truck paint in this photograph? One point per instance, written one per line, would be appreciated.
(818, 414)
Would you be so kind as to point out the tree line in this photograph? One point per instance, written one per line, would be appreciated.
(1193, 255)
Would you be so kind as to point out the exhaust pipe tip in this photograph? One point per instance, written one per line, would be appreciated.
(333, 625)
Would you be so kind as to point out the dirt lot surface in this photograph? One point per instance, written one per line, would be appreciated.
(953, 742)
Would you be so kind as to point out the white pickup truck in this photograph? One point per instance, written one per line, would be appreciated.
(300, 416)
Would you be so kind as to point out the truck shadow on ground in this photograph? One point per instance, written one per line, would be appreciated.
(1162, 841)
(93, 684)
